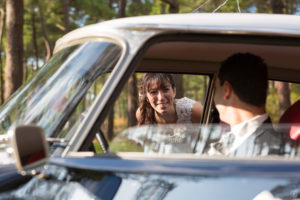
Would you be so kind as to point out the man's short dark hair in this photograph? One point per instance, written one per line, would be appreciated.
(248, 75)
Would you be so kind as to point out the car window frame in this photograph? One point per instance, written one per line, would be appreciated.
(130, 69)
(106, 87)
(190, 37)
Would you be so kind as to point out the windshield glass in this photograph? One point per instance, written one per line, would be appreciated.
(59, 86)
(211, 140)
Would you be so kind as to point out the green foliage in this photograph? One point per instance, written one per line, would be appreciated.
(295, 92)
(272, 105)
(89, 12)
(138, 7)
(156, 7)
(97, 147)
(125, 146)
(188, 6)
(195, 87)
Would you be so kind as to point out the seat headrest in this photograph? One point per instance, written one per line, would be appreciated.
(292, 116)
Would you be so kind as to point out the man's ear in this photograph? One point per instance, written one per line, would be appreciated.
(228, 90)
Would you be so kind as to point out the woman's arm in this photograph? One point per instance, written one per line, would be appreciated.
(197, 111)
(138, 114)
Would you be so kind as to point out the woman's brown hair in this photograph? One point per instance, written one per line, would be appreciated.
(146, 112)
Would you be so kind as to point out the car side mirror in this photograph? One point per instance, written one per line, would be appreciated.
(30, 147)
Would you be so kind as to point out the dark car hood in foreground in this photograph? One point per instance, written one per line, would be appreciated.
(214, 167)
(119, 178)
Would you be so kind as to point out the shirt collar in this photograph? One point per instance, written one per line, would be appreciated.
(249, 125)
(243, 130)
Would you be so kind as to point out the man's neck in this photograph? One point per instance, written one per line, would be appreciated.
(240, 115)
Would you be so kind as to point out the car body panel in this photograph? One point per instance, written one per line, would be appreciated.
(109, 178)
(185, 165)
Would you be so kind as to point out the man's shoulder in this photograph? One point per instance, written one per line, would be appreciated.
(263, 141)
(266, 133)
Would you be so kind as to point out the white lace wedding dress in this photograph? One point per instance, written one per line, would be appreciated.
(184, 110)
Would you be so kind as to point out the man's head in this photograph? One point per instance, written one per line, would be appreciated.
(245, 76)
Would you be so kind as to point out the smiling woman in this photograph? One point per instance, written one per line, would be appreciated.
(169, 124)
(158, 103)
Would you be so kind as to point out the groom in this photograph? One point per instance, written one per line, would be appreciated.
(240, 97)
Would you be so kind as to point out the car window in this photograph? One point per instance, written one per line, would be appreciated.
(209, 140)
(121, 123)
(122, 116)
(82, 108)
(281, 95)
(52, 95)
(202, 139)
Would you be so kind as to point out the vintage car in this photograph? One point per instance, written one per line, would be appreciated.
(80, 103)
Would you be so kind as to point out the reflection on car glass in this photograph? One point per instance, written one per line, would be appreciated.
(162, 139)
(59, 86)
(189, 138)
(51, 186)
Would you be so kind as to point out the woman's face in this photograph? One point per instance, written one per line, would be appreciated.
(161, 97)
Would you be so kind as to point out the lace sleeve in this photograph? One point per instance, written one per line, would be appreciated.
(184, 110)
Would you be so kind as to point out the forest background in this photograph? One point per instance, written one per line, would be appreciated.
(29, 29)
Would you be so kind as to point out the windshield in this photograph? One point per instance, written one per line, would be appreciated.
(210, 140)
(59, 86)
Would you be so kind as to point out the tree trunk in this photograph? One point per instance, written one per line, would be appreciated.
(205, 88)
(174, 8)
(45, 36)
(122, 8)
(2, 18)
(132, 100)
(163, 8)
(277, 6)
(25, 71)
(179, 85)
(173, 5)
(110, 128)
(262, 6)
(14, 46)
(283, 89)
(66, 15)
(34, 42)
(110, 4)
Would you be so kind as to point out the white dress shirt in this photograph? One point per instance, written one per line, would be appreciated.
(243, 130)
(240, 133)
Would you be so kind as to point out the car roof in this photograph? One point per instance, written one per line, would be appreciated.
(283, 31)
(266, 24)
(216, 22)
